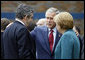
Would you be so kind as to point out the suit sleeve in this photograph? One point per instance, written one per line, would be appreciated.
(66, 47)
(33, 33)
(24, 43)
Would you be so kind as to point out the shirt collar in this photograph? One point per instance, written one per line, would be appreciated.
(54, 29)
(19, 21)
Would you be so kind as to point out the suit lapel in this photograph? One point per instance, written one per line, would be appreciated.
(58, 35)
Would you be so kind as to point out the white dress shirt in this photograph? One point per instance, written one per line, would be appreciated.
(54, 34)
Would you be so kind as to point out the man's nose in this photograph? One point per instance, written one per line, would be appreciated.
(49, 21)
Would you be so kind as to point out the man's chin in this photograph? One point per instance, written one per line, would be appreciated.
(49, 26)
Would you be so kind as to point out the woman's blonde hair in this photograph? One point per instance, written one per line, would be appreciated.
(64, 20)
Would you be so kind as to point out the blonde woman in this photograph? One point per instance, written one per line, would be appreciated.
(68, 46)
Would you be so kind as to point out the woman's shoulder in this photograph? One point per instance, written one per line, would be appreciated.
(69, 33)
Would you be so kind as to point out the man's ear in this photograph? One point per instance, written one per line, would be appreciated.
(25, 17)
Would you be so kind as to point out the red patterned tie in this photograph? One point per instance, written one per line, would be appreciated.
(51, 40)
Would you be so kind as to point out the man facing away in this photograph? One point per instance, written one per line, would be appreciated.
(46, 37)
(17, 40)
(4, 23)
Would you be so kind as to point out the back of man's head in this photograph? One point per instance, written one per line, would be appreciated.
(78, 29)
(41, 22)
(23, 10)
(4, 23)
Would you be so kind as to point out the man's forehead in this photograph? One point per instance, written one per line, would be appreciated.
(50, 14)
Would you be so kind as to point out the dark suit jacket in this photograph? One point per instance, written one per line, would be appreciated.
(40, 35)
(17, 42)
(82, 50)
(81, 45)
(2, 50)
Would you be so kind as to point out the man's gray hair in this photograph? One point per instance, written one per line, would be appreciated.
(23, 10)
(51, 10)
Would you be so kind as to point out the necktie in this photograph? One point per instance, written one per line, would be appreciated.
(51, 40)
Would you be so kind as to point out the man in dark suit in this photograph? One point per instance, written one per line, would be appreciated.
(17, 40)
(82, 51)
(46, 37)
(4, 23)
(78, 31)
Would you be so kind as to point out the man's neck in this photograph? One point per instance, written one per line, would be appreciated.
(21, 21)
